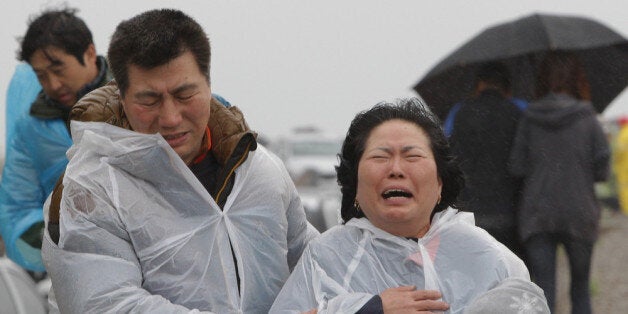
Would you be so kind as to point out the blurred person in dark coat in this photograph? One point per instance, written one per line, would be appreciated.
(560, 151)
(482, 136)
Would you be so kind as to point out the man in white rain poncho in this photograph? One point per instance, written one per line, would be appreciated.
(401, 248)
(196, 218)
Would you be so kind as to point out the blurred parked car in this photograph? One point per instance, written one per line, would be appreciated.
(309, 151)
(321, 203)
(310, 156)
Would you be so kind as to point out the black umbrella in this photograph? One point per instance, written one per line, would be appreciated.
(521, 45)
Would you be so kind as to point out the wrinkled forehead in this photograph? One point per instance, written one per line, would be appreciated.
(397, 130)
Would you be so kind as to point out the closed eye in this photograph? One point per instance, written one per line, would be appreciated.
(185, 96)
(379, 158)
(185, 92)
(148, 101)
(414, 157)
(147, 98)
(149, 104)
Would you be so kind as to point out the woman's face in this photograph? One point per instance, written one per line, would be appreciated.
(398, 185)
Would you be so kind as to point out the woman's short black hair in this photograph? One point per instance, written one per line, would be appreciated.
(413, 110)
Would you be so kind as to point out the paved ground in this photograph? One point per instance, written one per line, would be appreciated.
(609, 274)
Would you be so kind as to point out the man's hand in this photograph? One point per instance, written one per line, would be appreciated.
(407, 299)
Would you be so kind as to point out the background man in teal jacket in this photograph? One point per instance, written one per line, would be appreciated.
(59, 47)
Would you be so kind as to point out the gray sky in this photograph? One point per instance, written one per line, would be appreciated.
(290, 63)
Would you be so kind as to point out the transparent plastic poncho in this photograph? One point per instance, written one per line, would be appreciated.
(139, 233)
(346, 266)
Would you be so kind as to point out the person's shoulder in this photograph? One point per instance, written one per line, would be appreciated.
(266, 161)
(469, 232)
(474, 232)
(27, 125)
(479, 245)
(481, 239)
(101, 105)
(266, 153)
(337, 236)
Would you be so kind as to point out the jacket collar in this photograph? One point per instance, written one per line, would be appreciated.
(441, 220)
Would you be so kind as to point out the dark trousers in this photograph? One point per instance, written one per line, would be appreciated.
(541, 259)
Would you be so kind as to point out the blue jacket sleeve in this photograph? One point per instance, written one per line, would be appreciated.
(34, 161)
(448, 125)
(21, 93)
(20, 205)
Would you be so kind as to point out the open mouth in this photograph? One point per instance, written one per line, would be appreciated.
(396, 193)
(177, 139)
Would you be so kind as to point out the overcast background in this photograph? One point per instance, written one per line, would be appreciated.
(290, 63)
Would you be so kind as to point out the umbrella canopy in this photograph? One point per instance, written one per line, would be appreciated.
(521, 45)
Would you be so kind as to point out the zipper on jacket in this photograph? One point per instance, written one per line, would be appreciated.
(221, 204)
(226, 181)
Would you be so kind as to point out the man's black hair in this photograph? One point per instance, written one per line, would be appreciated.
(154, 38)
(59, 28)
(496, 74)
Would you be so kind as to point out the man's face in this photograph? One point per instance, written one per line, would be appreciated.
(172, 100)
(61, 75)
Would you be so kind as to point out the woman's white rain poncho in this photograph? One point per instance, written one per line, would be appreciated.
(139, 233)
(347, 265)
